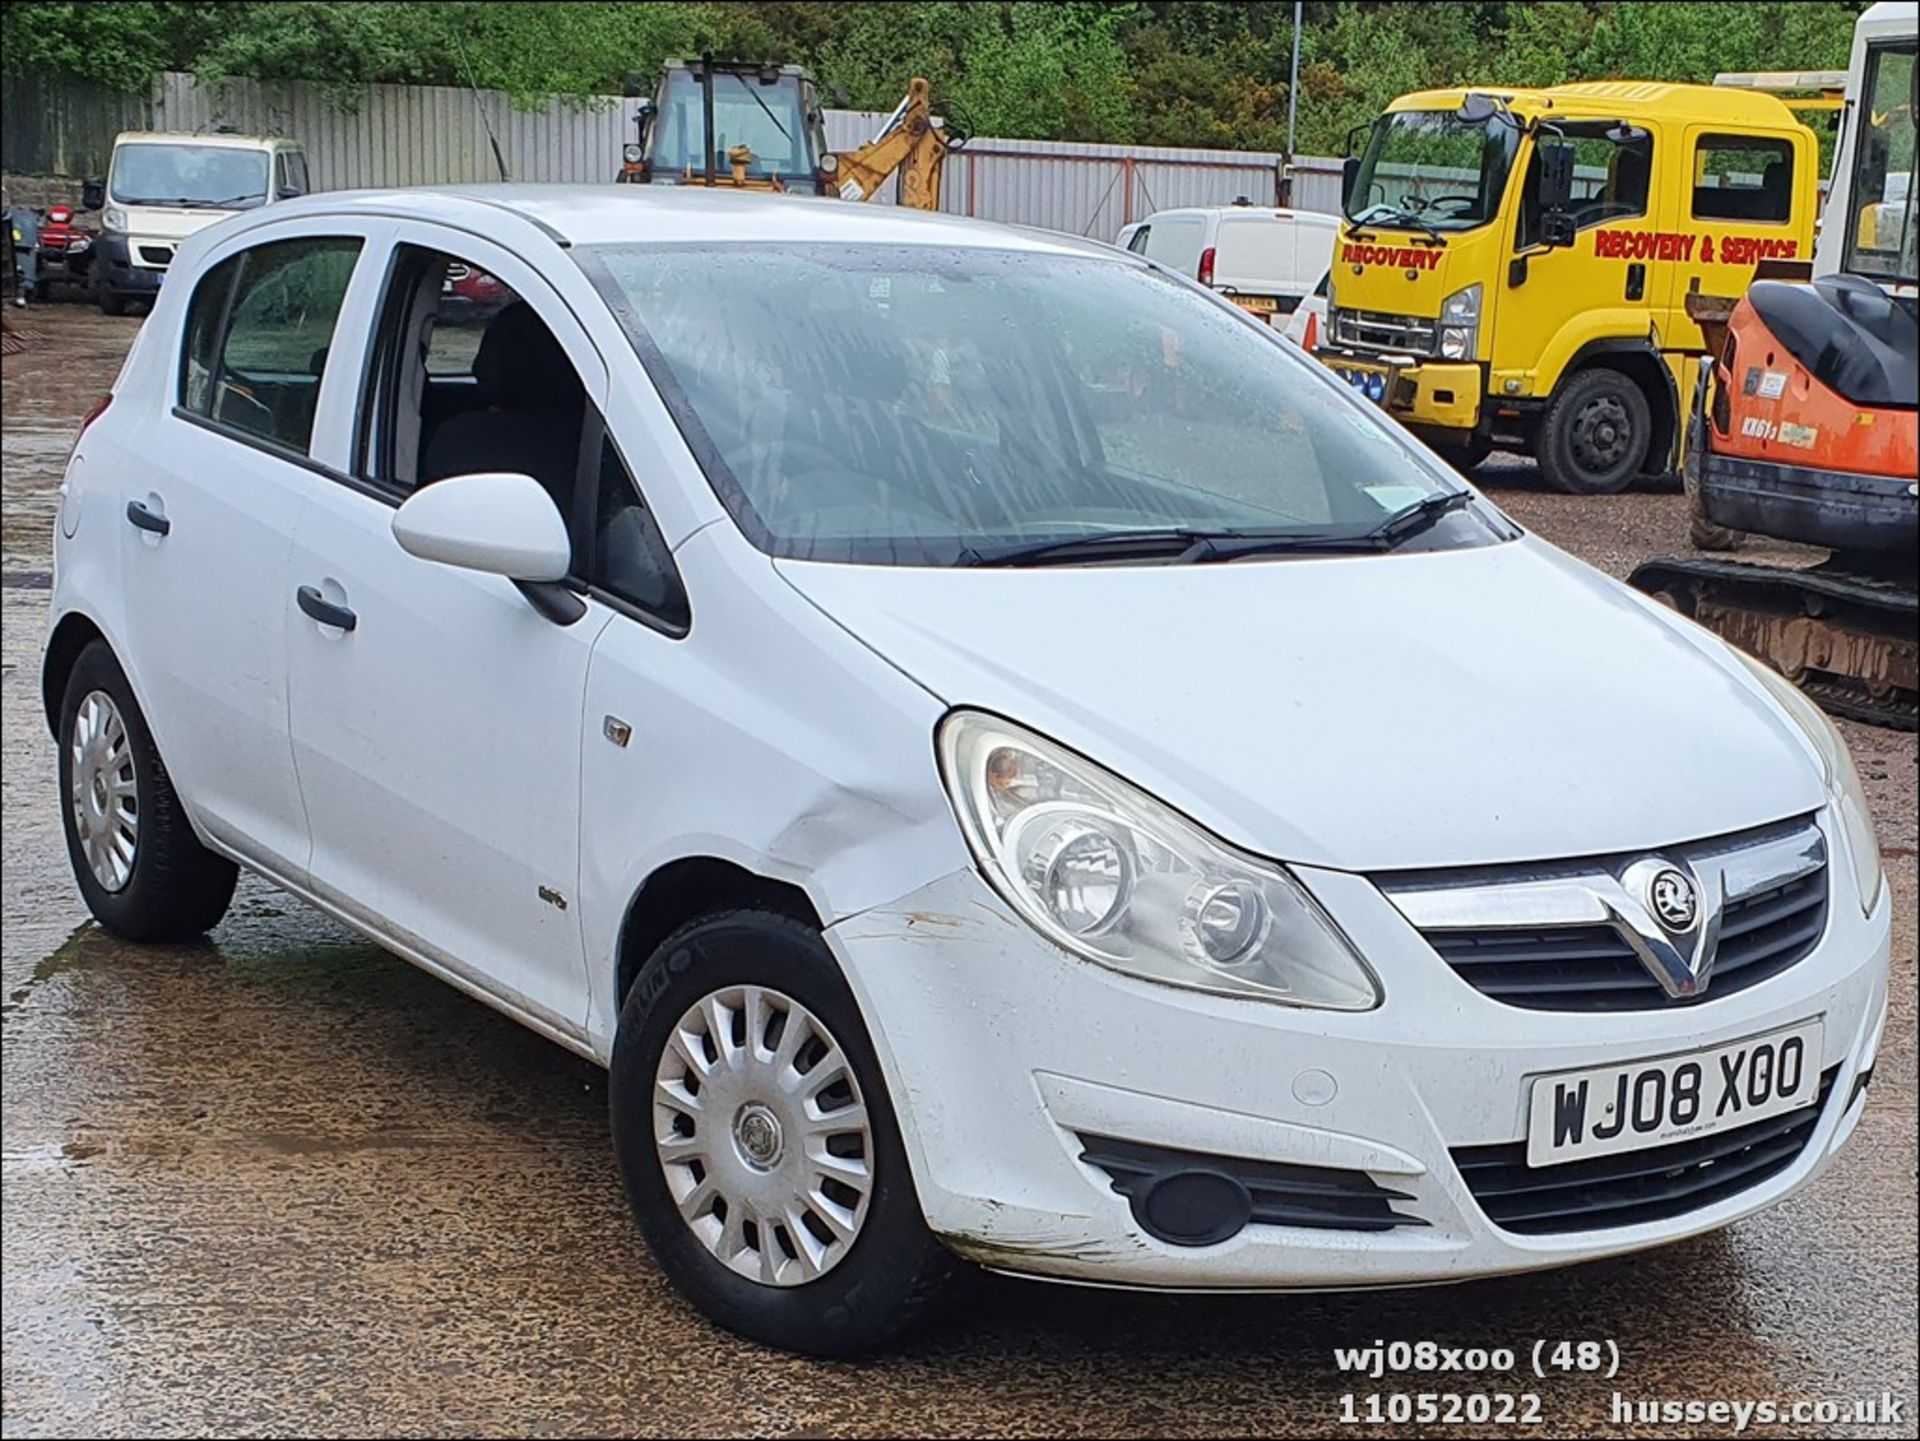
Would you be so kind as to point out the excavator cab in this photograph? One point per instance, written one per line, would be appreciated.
(736, 124)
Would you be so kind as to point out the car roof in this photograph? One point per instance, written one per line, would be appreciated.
(607, 214)
(222, 138)
(1265, 212)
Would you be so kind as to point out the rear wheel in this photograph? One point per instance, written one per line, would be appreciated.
(1595, 434)
(141, 869)
(758, 1146)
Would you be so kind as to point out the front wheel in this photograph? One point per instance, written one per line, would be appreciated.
(141, 869)
(1595, 434)
(111, 303)
(758, 1146)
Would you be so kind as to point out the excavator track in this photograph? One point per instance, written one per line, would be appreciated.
(1849, 639)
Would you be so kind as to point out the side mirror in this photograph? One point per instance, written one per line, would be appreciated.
(1556, 178)
(497, 522)
(1349, 178)
(288, 192)
(93, 194)
(1556, 230)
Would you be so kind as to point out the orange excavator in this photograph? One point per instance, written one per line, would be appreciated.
(1806, 424)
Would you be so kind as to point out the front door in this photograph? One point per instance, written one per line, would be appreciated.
(436, 713)
(1611, 266)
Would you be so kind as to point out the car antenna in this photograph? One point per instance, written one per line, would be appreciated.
(474, 90)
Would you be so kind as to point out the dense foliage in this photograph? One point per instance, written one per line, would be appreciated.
(1207, 72)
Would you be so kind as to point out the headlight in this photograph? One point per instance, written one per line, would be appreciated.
(829, 164)
(1109, 873)
(1460, 324)
(1849, 797)
(632, 154)
(114, 218)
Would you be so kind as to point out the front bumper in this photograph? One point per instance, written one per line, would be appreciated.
(1001, 1052)
(1435, 394)
(119, 269)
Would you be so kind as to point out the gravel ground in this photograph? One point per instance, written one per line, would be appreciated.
(285, 1183)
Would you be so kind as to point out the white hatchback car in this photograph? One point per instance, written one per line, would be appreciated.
(1001, 756)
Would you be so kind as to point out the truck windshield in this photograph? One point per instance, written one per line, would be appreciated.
(768, 119)
(1431, 170)
(1882, 237)
(214, 177)
(935, 405)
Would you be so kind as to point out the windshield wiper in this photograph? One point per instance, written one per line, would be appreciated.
(1416, 519)
(1178, 545)
(1175, 545)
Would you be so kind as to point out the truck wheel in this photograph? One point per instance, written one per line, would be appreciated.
(1464, 458)
(1595, 434)
(758, 1146)
(141, 869)
(110, 303)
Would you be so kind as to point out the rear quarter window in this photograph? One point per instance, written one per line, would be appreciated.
(1175, 243)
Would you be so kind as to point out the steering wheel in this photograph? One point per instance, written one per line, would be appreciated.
(1464, 202)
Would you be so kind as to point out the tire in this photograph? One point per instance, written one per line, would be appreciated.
(892, 1272)
(173, 888)
(111, 303)
(1595, 434)
(1464, 458)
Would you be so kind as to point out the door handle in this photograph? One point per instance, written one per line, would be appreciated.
(1636, 281)
(146, 520)
(323, 610)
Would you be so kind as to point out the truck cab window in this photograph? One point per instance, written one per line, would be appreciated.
(1612, 175)
(1743, 177)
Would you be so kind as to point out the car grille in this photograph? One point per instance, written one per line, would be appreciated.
(1632, 1187)
(1776, 913)
(1282, 1194)
(1590, 968)
(1376, 330)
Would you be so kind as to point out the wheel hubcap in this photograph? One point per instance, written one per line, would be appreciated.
(1602, 434)
(104, 791)
(763, 1135)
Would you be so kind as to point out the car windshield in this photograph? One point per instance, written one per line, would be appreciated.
(933, 405)
(1432, 170)
(766, 118)
(191, 175)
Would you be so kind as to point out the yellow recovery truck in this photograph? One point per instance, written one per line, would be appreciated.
(1514, 265)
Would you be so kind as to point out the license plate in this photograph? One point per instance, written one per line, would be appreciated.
(1365, 379)
(1577, 1115)
(1258, 304)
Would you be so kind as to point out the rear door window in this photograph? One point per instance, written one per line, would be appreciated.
(259, 331)
(1743, 177)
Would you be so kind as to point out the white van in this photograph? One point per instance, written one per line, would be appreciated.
(162, 187)
(1262, 259)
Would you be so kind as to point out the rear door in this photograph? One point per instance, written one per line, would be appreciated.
(1256, 263)
(216, 497)
(1736, 205)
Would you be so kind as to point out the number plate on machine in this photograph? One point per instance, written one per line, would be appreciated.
(1580, 1114)
(1258, 304)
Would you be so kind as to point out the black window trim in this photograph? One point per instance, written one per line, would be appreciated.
(1751, 141)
